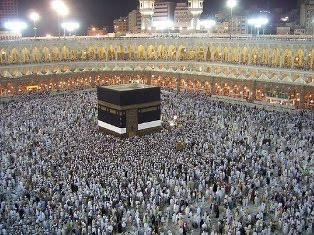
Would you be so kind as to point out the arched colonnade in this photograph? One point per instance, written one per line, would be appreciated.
(295, 56)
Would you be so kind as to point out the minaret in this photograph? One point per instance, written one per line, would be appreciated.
(196, 9)
(147, 11)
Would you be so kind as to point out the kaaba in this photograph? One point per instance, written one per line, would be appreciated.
(129, 109)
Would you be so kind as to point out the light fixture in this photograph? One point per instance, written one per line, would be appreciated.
(61, 9)
(207, 24)
(231, 3)
(162, 25)
(258, 22)
(15, 26)
(34, 16)
(70, 26)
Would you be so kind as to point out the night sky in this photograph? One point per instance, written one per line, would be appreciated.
(102, 12)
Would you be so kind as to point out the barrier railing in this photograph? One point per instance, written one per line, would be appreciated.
(156, 36)
(255, 103)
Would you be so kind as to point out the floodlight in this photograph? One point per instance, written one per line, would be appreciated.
(15, 26)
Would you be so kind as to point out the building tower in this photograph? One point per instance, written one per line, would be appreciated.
(8, 10)
(196, 9)
(307, 16)
(147, 11)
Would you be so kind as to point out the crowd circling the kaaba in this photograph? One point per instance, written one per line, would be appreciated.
(242, 170)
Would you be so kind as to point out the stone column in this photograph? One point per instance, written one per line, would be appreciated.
(253, 97)
(302, 96)
(281, 58)
(178, 82)
(106, 55)
(149, 77)
(212, 85)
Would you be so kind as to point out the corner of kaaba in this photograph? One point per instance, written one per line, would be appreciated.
(128, 110)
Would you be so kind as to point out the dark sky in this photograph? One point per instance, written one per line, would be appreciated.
(102, 12)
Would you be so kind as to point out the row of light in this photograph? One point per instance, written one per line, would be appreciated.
(161, 25)
(167, 24)
(231, 3)
(62, 10)
(58, 5)
(207, 24)
(258, 22)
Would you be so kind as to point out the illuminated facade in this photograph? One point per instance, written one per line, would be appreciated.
(264, 70)
(182, 16)
(134, 19)
(163, 11)
(121, 25)
(95, 31)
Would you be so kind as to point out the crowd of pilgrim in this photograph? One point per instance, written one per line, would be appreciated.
(243, 170)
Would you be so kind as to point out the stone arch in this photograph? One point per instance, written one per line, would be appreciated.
(299, 58)
(120, 53)
(154, 80)
(173, 83)
(275, 58)
(234, 55)
(182, 52)
(287, 58)
(101, 53)
(161, 52)
(111, 53)
(82, 54)
(245, 55)
(166, 82)
(190, 84)
(73, 55)
(197, 85)
(201, 54)
(45, 54)
(141, 52)
(209, 54)
(150, 52)
(182, 84)
(3, 56)
(172, 52)
(131, 52)
(55, 54)
(225, 54)
(218, 54)
(206, 85)
(65, 53)
(35, 57)
(254, 56)
(310, 59)
(25, 55)
(264, 56)
(14, 56)
(192, 54)
(91, 53)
